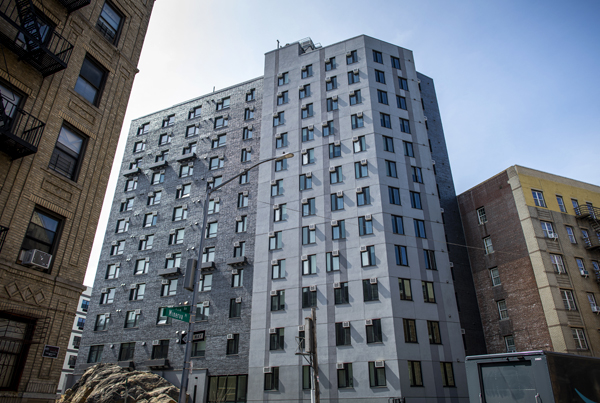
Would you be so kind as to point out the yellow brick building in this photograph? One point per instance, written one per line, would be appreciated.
(66, 72)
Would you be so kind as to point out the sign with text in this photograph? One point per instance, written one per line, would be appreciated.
(50, 351)
(181, 313)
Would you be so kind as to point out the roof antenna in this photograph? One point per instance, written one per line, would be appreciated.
(277, 43)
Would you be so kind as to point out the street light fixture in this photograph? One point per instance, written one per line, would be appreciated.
(194, 267)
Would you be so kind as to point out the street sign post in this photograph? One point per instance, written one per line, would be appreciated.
(181, 313)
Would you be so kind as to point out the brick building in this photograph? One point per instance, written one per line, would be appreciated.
(534, 243)
(356, 225)
(66, 72)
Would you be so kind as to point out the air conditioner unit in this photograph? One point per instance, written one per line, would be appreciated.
(142, 237)
(359, 190)
(206, 303)
(328, 60)
(172, 231)
(276, 114)
(337, 285)
(104, 290)
(373, 280)
(266, 370)
(348, 54)
(346, 324)
(273, 293)
(303, 68)
(304, 257)
(304, 106)
(272, 330)
(441, 210)
(369, 322)
(355, 71)
(340, 193)
(271, 234)
(114, 243)
(328, 80)
(312, 227)
(352, 93)
(234, 271)
(251, 126)
(339, 365)
(363, 248)
(334, 223)
(236, 244)
(251, 108)
(107, 314)
(245, 193)
(335, 252)
(216, 200)
(309, 174)
(280, 75)
(311, 127)
(359, 114)
(118, 264)
(278, 136)
(169, 255)
(335, 98)
(274, 262)
(451, 264)
(355, 138)
(337, 143)
(210, 180)
(368, 217)
(230, 336)
(379, 364)
(432, 161)
(156, 342)
(331, 169)
(238, 300)
(275, 206)
(596, 308)
(165, 282)
(304, 151)
(274, 182)
(313, 288)
(132, 286)
(301, 328)
(584, 273)
(304, 201)
(325, 124)
(238, 218)
(279, 94)
(301, 87)
(363, 162)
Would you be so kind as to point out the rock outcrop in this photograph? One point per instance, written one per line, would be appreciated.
(106, 383)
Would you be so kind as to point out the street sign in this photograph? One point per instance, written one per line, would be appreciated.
(50, 351)
(181, 313)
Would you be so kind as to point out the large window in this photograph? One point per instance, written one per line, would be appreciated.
(538, 198)
(95, 354)
(344, 376)
(91, 80)
(127, 351)
(370, 290)
(447, 374)
(18, 332)
(276, 339)
(342, 334)
(110, 23)
(42, 234)
(377, 374)
(68, 152)
(374, 334)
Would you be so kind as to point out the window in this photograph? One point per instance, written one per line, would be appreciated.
(341, 295)
(571, 234)
(328, 129)
(367, 256)
(408, 149)
(91, 80)
(363, 197)
(221, 121)
(95, 354)
(405, 126)
(579, 337)
(101, 323)
(276, 340)
(374, 334)
(365, 227)
(80, 323)
(338, 231)
(382, 97)
(307, 71)
(278, 270)
(220, 141)
(547, 229)
(308, 134)
(215, 163)
(250, 95)
(394, 194)
(208, 255)
(388, 144)
(249, 113)
(429, 257)
(206, 284)
(169, 288)
(161, 351)
(344, 376)
(433, 329)
(305, 182)
(395, 62)
(309, 235)
(568, 300)
(198, 344)
(415, 200)
(112, 272)
(281, 140)
(331, 83)
(307, 111)
(361, 170)
(237, 279)
(306, 377)
(135, 164)
(107, 297)
(223, 103)
(487, 245)
(401, 255)
(417, 174)
(173, 261)
(177, 237)
(377, 57)
(390, 169)
(240, 250)
(138, 146)
(330, 64)
(335, 150)
(233, 344)
(283, 78)
(502, 310)
(304, 91)
(359, 144)
(247, 133)
(495, 275)
(137, 293)
(376, 375)
(414, 373)
(278, 301)
(308, 157)
(538, 198)
(246, 154)
(117, 248)
(380, 76)
(126, 351)
(191, 131)
(141, 266)
(481, 217)
(342, 334)
(68, 152)
(353, 77)
(428, 293)
(309, 297)
(351, 57)
(77, 339)
(143, 129)
(355, 97)
(337, 202)
(122, 226)
(309, 265)
(370, 290)
(164, 139)
(561, 204)
(309, 207)
(397, 225)
(405, 289)
(357, 121)
(157, 178)
(127, 205)
(211, 230)
(179, 213)
(447, 374)
(276, 241)
(162, 156)
(272, 379)
(150, 219)
(509, 342)
(332, 261)
(182, 192)
(385, 120)
(403, 83)
(195, 112)
(242, 200)
(410, 331)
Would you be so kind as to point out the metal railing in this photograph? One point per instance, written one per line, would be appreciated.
(3, 232)
(20, 132)
(72, 5)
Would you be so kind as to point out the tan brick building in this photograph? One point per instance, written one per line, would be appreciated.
(66, 72)
(534, 244)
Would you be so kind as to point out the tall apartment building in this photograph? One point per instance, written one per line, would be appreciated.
(75, 339)
(352, 225)
(66, 71)
(534, 242)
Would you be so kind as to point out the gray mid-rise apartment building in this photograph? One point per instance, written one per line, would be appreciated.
(359, 225)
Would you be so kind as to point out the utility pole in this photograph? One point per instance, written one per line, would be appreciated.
(315, 360)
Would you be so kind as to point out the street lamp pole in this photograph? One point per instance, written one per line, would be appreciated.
(195, 272)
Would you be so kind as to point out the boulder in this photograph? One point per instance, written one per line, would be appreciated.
(106, 383)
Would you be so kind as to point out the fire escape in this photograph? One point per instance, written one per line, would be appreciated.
(591, 215)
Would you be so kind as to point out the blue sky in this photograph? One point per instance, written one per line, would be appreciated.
(517, 81)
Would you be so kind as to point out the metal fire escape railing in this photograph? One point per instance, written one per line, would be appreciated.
(3, 232)
(591, 215)
(72, 5)
(32, 39)
(20, 132)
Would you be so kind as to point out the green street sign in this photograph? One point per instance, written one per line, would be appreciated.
(181, 313)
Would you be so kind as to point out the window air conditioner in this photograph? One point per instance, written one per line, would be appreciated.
(359, 190)
(369, 322)
(339, 365)
(275, 206)
(309, 174)
(234, 271)
(164, 282)
(304, 151)
(359, 114)
(363, 248)
(104, 290)
(313, 288)
(346, 324)
(335, 252)
(337, 143)
(274, 182)
(379, 364)
(266, 370)
(272, 330)
(304, 257)
(311, 127)
(273, 293)
(274, 262)
(271, 234)
(301, 328)
(230, 336)
(337, 285)
(331, 169)
(373, 280)
(238, 300)
(206, 303)
(236, 244)
(156, 342)
(312, 227)
(355, 71)
(340, 193)
(334, 223)
(368, 217)
(304, 201)
(363, 162)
